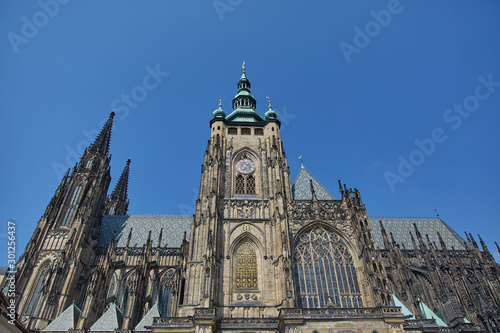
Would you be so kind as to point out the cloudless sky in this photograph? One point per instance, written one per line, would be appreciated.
(352, 103)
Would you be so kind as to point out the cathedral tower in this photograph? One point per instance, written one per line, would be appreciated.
(51, 269)
(237, 260)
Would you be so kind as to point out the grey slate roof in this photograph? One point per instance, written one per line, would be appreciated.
(65, 321)
(301, 188)
(109, 321)
(172, 235)
(147, 320)
(401, 227)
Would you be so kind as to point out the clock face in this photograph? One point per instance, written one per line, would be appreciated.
(245, 166)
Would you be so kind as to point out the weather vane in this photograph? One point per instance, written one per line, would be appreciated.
(301, 161)
(243, 66)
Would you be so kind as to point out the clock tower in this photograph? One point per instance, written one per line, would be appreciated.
(238, 262)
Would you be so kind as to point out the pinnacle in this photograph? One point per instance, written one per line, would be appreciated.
(120, 191)
(101, 143)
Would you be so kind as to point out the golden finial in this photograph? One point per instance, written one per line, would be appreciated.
(220, 100)
(243, 66)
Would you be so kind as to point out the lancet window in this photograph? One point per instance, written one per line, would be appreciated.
(163, 292)
(72, 204)
(246, 267)
(324, 271)
(40, 290)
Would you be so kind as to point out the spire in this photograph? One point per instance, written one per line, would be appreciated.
(429, 243)
(117, 203)
(313, 193)
(467, 236)
(121, 187)
(473, 241)
(419, 237)
(441, 241)
(101, 143)
(244, 99)
(340, 189)
(384, 235)
(392, 239)
(413, 241)
(129, 237)
(483, 245)
(159, 237)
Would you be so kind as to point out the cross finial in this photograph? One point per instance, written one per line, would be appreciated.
(301, 161)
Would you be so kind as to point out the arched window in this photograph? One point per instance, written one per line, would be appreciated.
(324, 271)
(39, 292)
(76, 195)
(250, 185)
(72, 204)
(240, 184)
(163, 292)
(126, 285)
(246, 267)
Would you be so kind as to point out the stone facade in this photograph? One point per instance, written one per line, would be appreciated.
(260, 254)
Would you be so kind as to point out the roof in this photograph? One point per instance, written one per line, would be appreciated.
(407, 313)
(65, 321)
(301, 188)
(109, 321)
(245, 115)
(428, 314)
(401, 227)
(147, 320)
(172, 234)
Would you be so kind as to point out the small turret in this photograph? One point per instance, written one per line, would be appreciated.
(271, 114)
(483, 245)
(117, 203)
(219, 113)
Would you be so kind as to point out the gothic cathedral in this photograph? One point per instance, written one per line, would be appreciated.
(260, 254)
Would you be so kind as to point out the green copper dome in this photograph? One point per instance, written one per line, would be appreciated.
(220, 113)
(271, 114)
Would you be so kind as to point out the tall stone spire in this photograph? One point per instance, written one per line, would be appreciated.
(75, 210)
(101, 143)
(117, 203)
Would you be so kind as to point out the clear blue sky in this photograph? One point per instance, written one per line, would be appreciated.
(355, 83)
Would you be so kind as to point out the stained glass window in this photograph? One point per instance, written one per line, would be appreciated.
(324, 271)
(122, 298)
(246, 267)
(39, 291)
(163, 291)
